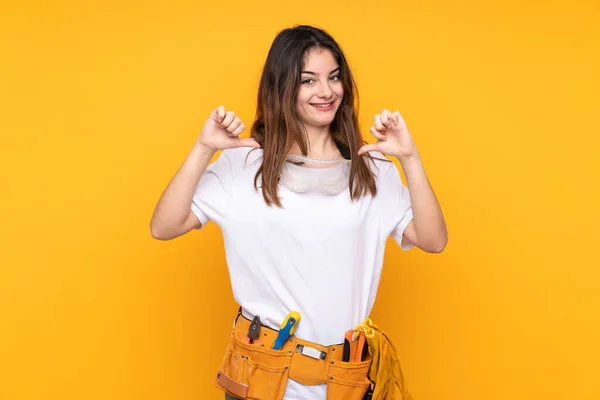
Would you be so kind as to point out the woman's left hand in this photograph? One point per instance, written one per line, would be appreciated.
(393, 137)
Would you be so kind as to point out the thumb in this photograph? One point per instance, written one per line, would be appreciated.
(246, 142)
(366, 148)
(218, 114)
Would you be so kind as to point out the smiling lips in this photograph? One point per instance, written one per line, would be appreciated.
(324, 106)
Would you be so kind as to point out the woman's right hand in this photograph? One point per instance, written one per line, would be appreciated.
(221, 131)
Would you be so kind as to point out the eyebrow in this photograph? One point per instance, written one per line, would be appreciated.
(314, 73)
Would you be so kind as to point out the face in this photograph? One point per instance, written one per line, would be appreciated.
(321, 90)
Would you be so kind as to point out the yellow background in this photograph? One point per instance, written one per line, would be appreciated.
(102, 101)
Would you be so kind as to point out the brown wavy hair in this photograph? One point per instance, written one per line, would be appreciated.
(277, 125)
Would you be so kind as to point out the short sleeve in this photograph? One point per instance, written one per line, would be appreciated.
(398, 201)
(213, 195)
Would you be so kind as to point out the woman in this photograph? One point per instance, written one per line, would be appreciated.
(306, 208)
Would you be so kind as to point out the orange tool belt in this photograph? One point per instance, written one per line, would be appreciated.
(255, 371)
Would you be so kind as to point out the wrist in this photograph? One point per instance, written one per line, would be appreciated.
(203, 150)
(415, 157)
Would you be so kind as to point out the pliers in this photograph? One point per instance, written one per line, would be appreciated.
(253, 332)
(348, 356)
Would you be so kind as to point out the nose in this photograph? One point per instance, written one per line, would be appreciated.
(324, 90)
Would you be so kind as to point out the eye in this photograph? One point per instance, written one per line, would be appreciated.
(307, 81)
(334, 78)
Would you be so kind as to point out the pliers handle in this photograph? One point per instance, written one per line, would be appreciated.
(348, 340)
(257, 342)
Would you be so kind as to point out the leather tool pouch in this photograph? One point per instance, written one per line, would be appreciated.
(255, 372)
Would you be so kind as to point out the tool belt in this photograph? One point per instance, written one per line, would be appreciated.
(255, 371)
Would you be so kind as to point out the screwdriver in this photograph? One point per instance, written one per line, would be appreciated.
(287, 328)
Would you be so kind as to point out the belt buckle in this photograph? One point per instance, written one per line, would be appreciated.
(311, 352)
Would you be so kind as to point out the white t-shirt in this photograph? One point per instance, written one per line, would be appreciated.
(320, 255)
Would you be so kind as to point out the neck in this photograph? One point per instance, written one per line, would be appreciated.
(321, 144)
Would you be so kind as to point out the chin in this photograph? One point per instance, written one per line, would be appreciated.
(321, 122)
(318, 118)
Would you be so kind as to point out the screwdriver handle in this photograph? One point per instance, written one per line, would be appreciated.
(287, 329)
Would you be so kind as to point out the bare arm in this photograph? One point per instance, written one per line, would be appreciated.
(427, 230)
(173, 216)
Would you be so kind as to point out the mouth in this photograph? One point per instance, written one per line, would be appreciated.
(324, 106)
